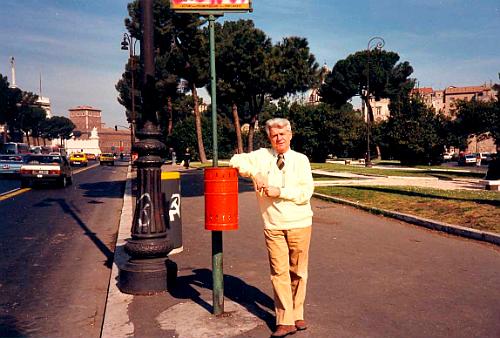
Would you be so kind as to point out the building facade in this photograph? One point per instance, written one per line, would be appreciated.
(114, 141)
(85, 118)
(445, 100)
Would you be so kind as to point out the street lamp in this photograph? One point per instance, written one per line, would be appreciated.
(148, 268)
(374, 43)
(128, 43)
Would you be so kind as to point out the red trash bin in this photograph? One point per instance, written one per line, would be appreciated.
(221, 199)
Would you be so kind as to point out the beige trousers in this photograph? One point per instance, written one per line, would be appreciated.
(288, 252)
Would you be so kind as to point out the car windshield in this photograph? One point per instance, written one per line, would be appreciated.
(43, 159)
(107, 155)
(78, 155)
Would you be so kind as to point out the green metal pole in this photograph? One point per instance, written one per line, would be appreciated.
(217, 271)
(211, 20)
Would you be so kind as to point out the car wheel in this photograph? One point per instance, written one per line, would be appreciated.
(63, 182)
(25, 183)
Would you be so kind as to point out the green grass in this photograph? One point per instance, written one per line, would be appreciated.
(468, 208)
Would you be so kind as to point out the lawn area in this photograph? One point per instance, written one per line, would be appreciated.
(473, 209)
(388, 171)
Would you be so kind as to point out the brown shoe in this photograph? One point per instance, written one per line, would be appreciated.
(301, 324)
(284, 330)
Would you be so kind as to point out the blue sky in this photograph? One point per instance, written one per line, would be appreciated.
(75, 44)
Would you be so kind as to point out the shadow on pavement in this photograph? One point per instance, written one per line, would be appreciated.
(251, 298)
(103, 189)
(87, 232)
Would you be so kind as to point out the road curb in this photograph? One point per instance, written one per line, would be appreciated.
(452, 229)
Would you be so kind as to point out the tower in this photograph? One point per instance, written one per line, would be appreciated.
(13, 72)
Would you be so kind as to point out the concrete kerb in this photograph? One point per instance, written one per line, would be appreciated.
(452, 229)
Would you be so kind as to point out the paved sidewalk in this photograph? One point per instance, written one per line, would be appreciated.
(370, 276)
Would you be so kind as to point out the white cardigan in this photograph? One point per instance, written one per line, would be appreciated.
(292, 209)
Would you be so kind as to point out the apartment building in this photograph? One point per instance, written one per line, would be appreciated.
(445, 100)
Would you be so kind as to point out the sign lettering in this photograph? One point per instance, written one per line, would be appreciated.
(219, 5)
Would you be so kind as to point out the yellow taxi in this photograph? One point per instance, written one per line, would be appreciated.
(107, 158)
(79, 159)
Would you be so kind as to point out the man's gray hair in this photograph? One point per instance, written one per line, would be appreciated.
(278, 122)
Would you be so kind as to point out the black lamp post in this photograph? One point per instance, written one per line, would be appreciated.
(145, 272)
(374, 43)
(128, 43)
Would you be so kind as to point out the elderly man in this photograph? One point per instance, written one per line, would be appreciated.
(284, 186)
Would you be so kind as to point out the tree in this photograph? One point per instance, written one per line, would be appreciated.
(250, 69)
(181, 54)
(414, 132)
(476, 117)
(348, 78)
(31, 120)
(321, 130)
(58, 127)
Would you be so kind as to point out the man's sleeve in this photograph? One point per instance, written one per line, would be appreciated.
(301, 192)
(245, 163)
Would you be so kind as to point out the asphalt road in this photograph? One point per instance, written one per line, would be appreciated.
(56, 249)
(369, 276)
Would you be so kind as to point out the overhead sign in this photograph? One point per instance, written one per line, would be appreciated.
(211, 5)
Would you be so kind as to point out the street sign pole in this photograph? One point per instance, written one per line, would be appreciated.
(217, 240)
(213, 10)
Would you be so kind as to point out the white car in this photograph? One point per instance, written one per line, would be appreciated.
(39, 168)
(447, 156)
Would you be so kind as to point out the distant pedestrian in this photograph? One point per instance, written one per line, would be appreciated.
(187, 158)
(284, 186)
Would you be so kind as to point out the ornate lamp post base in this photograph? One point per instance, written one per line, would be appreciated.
(147, 276)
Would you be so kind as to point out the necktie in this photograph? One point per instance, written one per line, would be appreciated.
(280, 162)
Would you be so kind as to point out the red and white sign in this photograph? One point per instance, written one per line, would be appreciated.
(211, 5)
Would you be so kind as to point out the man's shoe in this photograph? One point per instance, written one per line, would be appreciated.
(284, 330)
(301, 324)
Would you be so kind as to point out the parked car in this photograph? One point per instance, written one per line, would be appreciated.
(78, 159)
(447, 157)
(107, 158)
(41, 168)
(10, 165)
(467, 159)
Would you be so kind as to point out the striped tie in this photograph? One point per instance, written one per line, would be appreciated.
(280, 162)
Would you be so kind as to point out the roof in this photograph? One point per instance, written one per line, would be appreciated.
(463, 90)
(84, 108)
(422, 91)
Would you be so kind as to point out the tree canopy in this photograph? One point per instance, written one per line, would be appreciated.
(181, 54)
(349, 77)
(250, 68)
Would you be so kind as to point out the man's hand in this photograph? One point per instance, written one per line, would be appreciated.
(260, 182)
(272, 191)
